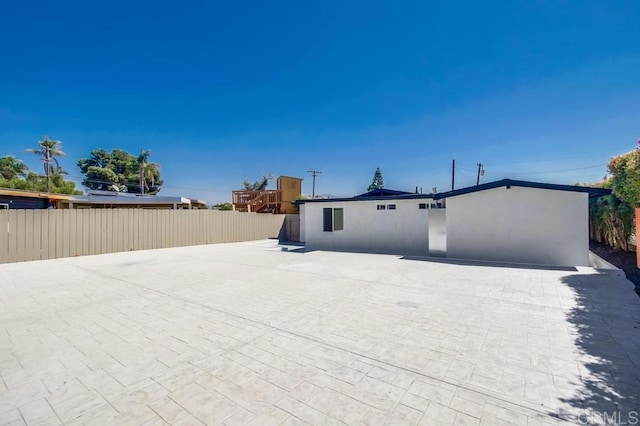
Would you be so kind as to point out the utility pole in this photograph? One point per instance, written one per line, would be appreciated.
(314, 173)
(453, 174)
(480, 173)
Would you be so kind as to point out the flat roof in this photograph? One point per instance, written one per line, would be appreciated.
(32, 194)
(372, 198)
(593, 192)
(108, 199)
(290, 177)
(373, 195)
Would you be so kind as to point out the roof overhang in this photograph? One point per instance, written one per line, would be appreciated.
(364, 199)
(107, 199)
(31, 194)
(593, 192)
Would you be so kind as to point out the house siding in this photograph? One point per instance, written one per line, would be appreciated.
(524, 225)
(24, 202)
(403, 231)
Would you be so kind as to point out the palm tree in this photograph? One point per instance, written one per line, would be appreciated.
(48, 150)
(11, 168)
(147, 170)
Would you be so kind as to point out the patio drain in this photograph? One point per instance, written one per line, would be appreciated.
(407, 304)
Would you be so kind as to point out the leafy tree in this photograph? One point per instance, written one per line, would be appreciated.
(12, 168)
(223, 206)
(625, 176)
(611, 218)
(377, 182)
(611, 221)
(61, 186)
(33, 182)
(48, 150)
(148, 172)
(259, 185)
(120, 171)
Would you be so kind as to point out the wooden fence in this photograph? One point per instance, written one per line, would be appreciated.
(50, 234)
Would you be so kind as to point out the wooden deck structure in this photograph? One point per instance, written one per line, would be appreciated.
(268, 201)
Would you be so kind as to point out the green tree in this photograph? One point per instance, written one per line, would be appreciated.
(223, 206)
(60, 185)
(120, 171)
(611, 221)
(625, 176)
(611, 218)
(148, 173)
(259, 185)
(34, 182)
(48, 150)
(377, 182)
(12, 168)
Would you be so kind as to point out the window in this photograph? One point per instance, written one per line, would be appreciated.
(382, 207)
(4, 206)
(338, 219)
(327, 220)
(332, 219)
(422, 206)
(391, 207)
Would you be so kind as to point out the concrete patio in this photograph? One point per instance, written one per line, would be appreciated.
(248, 333)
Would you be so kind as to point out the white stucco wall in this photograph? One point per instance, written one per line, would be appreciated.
(438, 232)
(302, 223)
(366, 229)
(524, 225)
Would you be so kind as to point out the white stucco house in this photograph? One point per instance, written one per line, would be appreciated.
(504, 221)
(379, 221)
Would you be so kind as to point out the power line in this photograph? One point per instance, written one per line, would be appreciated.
(552, 171)
(163, 186)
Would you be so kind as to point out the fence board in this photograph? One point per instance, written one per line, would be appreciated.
(101, 233)
(67, 234)
(75, 223)
(37, 234)
(21, 234)
(165, 228)
(154, 229)
(13, 235)
(29, 250)
(164, 215)
(128, 238)
(50, 234)
(43, 219)
(84, 220)
(4, 236)
(93, 232)
(55, 236)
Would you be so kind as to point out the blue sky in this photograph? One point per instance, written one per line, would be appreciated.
(223, 91)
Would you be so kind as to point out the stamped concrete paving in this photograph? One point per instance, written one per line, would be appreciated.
(249, 334)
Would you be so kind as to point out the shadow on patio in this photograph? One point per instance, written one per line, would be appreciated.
(489, 264)
(606, 328)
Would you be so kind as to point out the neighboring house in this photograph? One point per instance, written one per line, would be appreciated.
(504, 221)
(109, 199)
(17, 199)
(280, 200)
